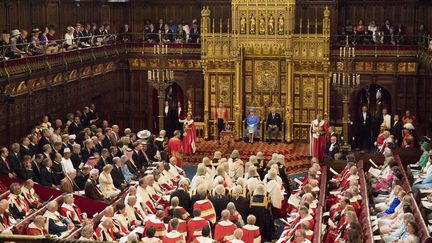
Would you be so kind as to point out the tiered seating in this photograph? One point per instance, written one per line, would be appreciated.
(99, 214)
(423, 229)
(21, 227)
(364, 217)
(318, 237)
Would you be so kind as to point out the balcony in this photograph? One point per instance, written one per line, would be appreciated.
(104, 51)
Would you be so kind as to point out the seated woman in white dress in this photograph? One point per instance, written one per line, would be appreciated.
(106, 184)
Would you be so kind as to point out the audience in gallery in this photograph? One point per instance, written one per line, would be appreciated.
(21, 43)
(387, 34)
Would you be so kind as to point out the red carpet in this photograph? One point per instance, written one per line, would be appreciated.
(297, 154)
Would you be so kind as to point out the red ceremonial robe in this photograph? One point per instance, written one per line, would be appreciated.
(158, 225)
(182, 227)
(190, 138)
(251, 234)
(194, 228)
(224, 231)
(207, 210)
(173, 237)
(318, 138)
(175, 149)
(32, 229)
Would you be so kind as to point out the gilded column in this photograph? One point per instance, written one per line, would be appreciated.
(207, 110)
(238, 96)
(289, 106)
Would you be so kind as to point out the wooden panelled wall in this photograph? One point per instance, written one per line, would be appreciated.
(17, 118)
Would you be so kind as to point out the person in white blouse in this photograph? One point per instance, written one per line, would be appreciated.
(386, 118)
(69, 38)
(66, 162)
(106, 184)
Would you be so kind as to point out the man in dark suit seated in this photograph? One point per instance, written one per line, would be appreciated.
(5, 167)
(183, 195)
(46, 174)
(274, 122)
(82, 177)
(57, 225)
(332, 148)
(91, 189)
(117, 175)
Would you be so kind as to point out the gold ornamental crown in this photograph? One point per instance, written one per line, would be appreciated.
(205, 12)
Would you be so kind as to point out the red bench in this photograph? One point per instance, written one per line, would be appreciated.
(321, 205)
(364, 217)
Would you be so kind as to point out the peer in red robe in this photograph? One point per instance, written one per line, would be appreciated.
(224, 229)
(158, 224)
(104, 232)
(175, 148)
(189, 137)
(318, 132)
(251, 232)
(173, 236)
(207, 210)
(72, 212)
(195, 226)
(36, 228)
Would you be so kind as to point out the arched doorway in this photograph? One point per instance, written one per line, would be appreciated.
(174, 93)
(375, 98)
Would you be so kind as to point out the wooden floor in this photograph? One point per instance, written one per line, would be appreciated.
(297, 154)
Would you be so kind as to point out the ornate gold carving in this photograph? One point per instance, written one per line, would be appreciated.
(262, 27)
(308, 92)
(212, 83)
(281, 25)
(297, 85)
(266, 76)
(248, 83)
(402, 67)
(359, 66)
(242, 25)
(381, 67)
(296, 116)
(320, 83)
(271, 25)
(305, 116)
(252, 25)
(412, 67)
(225, 90)
(277, 65)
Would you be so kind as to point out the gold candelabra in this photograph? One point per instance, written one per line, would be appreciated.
(160, 78)
(345, 82)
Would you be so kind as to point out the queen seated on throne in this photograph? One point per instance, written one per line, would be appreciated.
(252, 123)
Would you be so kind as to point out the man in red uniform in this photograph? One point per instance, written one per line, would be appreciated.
(224, 230)
(174, 236)
(318, 134)
(69, 210)
(37, 226)
(6, 219)
(251, 232)
(175, 147)
(206, 208)
(104, 232)
(158, 224)
(195, 225)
